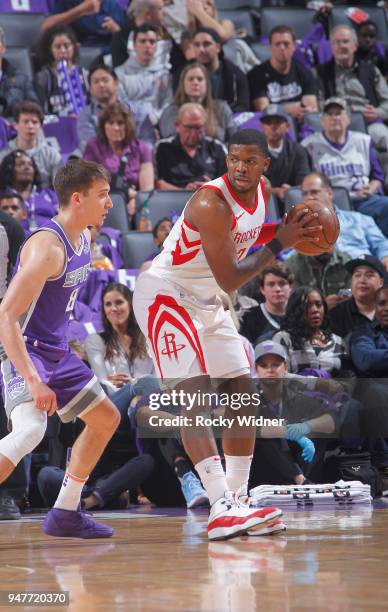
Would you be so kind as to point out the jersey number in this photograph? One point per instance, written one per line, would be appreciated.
(240, 253)
(72, 300)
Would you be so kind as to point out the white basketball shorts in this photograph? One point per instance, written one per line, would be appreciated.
(186, 337)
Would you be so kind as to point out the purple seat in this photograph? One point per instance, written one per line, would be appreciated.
(7, 132)
(24, 6)
(64, 131)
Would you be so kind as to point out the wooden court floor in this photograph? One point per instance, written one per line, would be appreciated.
(161, 560)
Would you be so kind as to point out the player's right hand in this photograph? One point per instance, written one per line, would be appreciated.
(295, 230)
(43, 397)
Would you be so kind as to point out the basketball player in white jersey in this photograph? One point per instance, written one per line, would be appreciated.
(193, 341)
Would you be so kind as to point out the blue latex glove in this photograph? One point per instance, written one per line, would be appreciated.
(294, 431)
(308, 448)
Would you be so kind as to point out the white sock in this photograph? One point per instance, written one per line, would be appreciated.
(237, 471)
(70, 493)
(212, 476)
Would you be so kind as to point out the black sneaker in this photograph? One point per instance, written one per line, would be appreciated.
(9, 510)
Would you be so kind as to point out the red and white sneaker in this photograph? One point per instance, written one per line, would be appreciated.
(228, 518)
(269, 528)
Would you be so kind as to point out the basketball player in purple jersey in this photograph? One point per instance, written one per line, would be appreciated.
(40, 375)
(193, 340)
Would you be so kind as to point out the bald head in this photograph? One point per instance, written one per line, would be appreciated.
(190, 124)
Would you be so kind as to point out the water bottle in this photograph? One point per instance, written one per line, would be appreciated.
(145, 224)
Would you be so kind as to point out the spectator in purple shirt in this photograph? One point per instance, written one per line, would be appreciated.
(19, 172)
(128, 159)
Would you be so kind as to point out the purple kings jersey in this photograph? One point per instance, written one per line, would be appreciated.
(47, 318)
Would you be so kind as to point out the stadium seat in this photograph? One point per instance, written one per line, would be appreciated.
(376, 14)
(24, 6)
(273, 209)
(137, 246)
(162, 203)
(117, 216)
(357, 122)
(63, 131)
(242, 20)
(233, 5)
(297, 19)
(341, 198)
(22, 30)
(20, 59)
(263, 52)
(87, 55)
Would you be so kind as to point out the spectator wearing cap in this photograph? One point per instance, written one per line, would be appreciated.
(359, 82)
(185, 161)
(289, 160)
(275, 284)
(277, 458)
(281, 80)
(28, 121)
(349, 160)
(227, 80)
(14, 85)
(368, 276)
(359, 234)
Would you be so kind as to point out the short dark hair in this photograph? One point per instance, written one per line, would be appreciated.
(250, 136)
(158, 223)
(77, 175)
(10, 194)
(277, 269)
(143, 29)
(215, 36)
(27, 107)
(103, 67)
(281, 29)
(367, 23)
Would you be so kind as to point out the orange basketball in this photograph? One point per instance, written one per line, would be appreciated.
(330, 228)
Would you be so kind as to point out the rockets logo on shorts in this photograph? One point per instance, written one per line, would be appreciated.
(171, 347)
(173, 335)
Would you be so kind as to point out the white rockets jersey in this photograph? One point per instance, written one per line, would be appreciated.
(183, 260)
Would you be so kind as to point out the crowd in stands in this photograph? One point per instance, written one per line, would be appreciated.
(153, 90)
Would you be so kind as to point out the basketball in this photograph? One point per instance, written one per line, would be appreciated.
(328, 234)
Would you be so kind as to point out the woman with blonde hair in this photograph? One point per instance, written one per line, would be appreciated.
(194, 86)
(203, 14)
